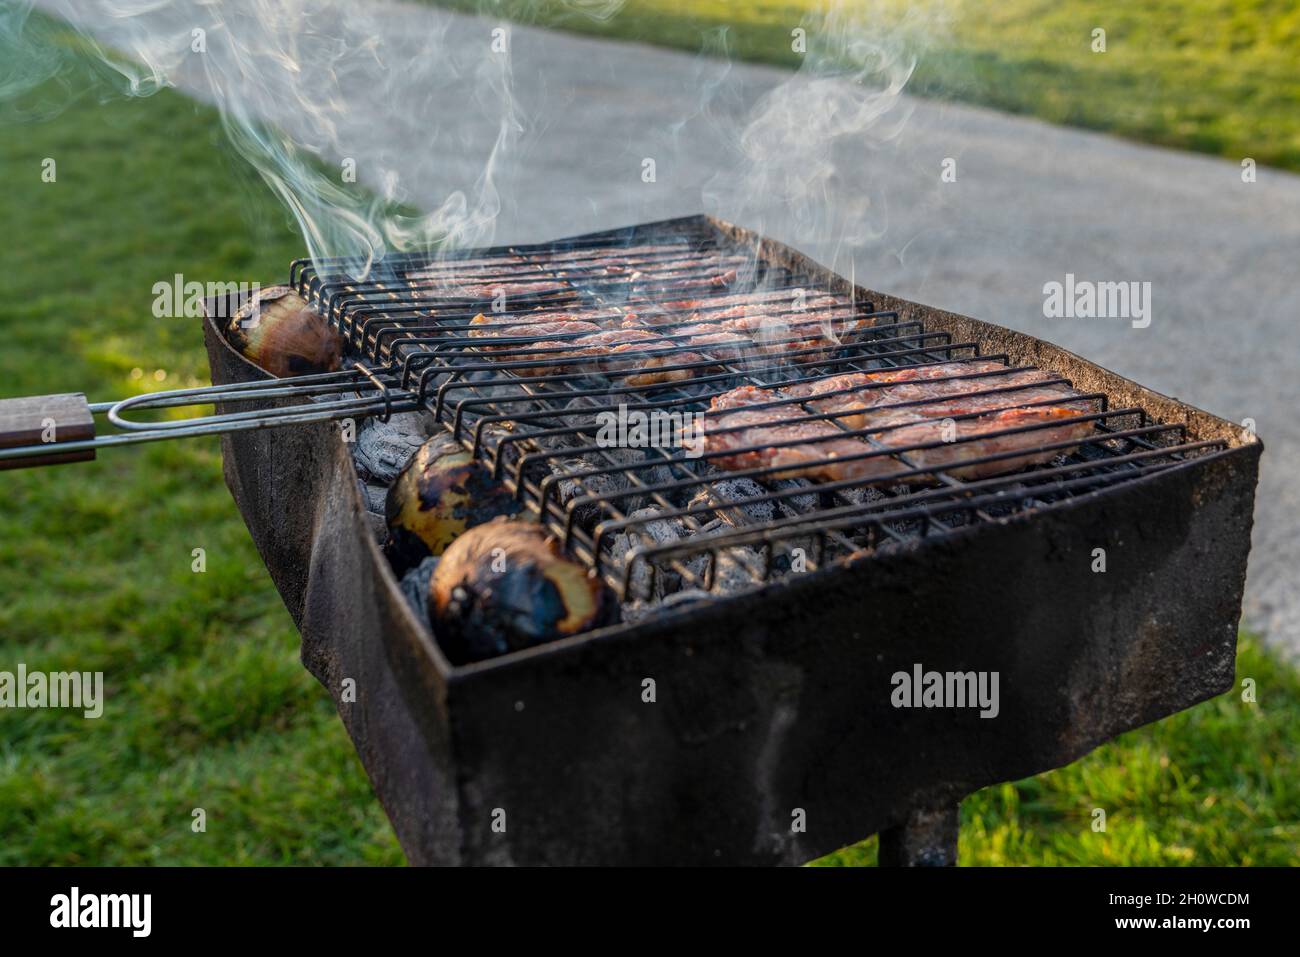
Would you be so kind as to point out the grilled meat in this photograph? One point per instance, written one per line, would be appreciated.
(657, 369)
(863, 400)
(451, 268)
(510, 287)
(737, 421)
(976, 438)
(603, 351)
(622, 350)
(778, 299)
(651, 270)
(596, 253)
(960, 426)
(554, 336)
(809, 339)
(687, 279)
(491, 324)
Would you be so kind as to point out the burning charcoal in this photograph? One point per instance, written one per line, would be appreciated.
(736, 569)
(506, 585)
(718, 494)
(862, 496)
(278, 331)
(794, 505)
(664, 531)
(653, 583)
(604, 484)
(382, 449)
(441, 493)
(415, 586)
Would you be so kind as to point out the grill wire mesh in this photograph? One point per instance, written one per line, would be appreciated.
(663, 522)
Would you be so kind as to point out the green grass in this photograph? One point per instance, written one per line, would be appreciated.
(1219, 76)
(207, 704)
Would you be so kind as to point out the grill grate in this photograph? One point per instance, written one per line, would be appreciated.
(527, 404)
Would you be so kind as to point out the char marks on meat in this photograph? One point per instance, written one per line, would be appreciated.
(594, 350)
(959, 427)
(746, 424)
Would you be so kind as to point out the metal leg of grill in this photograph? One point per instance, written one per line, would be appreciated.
(928, 838)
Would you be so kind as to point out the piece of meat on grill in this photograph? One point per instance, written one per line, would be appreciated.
(543, 331)
(791, 299)
(493, 324)
(826, 452)
(510, 288)
(612, 252)
(656, 363)
(649, 357)
(683, 279)
(735, 424)
(616, 350)
(650, 270)
(788, 309)
(450, 268)
(727, 346)
(802, 340)
(1046, 425)
(941, 391)
(554, 336)
(597, 350)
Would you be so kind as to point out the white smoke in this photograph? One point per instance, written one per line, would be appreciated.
(340, 84)
(808, 154)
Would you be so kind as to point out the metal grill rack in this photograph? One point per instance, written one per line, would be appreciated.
(526, 405)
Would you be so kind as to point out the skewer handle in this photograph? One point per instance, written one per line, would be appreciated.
(46, 420)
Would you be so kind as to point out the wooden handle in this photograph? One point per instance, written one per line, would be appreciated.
(46, 420)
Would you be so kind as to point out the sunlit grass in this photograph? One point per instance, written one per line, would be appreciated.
(207, 705)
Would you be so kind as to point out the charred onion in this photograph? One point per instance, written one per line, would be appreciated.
(441, 493)
(507, 585)
(279, 332)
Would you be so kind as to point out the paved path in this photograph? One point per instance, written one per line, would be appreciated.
(1031, 202)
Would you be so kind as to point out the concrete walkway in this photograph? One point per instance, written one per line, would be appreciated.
(1030, 203)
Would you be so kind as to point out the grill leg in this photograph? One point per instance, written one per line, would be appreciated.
(928, 838)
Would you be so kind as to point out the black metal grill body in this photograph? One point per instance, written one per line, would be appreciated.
(777, 700)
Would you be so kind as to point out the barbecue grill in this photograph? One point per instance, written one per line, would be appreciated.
(741, 712)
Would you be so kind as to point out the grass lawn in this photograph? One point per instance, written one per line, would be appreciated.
(207, 706)
(1218, 76)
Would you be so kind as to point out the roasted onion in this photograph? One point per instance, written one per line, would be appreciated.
(507, 585)
(286, 337)
(440, 493)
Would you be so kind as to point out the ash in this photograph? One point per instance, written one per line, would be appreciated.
(381, 451)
